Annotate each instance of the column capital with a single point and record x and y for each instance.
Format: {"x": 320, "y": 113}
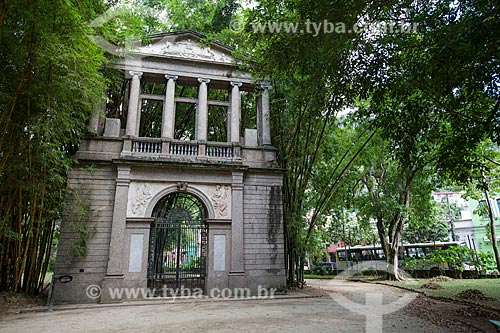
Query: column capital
{"x": 134, "y": 73}
{"x": 266, "y": 86}
{"x": 237, "y": 178}
{"x": 236, "y": 84}
{"x": 171, "y": 77}
{"x": 123, "y": 172}
{"x": 203, "y": 80}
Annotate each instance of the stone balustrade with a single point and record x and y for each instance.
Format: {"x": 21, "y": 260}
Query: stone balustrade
{"x": 159, "y": 147}
{"x": 146, "y": 145}
{"x": 183, "y": 148}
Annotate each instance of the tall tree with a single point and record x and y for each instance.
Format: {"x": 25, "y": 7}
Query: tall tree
{"x": 311, "y": 86}
{"x": 389, "y": 192}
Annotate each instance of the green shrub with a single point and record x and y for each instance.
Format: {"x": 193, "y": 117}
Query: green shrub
{"x": 453, "y": 259}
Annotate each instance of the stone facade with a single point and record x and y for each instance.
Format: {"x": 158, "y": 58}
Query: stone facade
{"x": 122, "y": 177}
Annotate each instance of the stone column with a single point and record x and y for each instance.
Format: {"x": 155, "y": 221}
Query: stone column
{"x": 168, "y": 117}
{"x": 237, "y": 272}
{"x": 202, "y": 116}
{"x": 133, "y": 116}
{"x": 235, "y": 112}
{"x": 265, "y": 116}
{"x": 114, "y": 273}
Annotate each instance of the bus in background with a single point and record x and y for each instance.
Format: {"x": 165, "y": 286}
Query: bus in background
{"x": 347, "y": 257}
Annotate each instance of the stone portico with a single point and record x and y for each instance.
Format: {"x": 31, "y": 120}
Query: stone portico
{"x": 180, "y": 180}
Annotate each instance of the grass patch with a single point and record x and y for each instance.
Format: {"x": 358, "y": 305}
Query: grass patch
{"x": 335, "y": 276}
{"x": 317, "y": 276}
{"x": 489, "y": 287}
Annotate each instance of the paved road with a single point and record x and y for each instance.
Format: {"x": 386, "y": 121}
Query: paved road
{"x": 323, "y": 314}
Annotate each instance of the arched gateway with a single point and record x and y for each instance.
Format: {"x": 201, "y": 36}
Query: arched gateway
{"x": 178, "y": 244}
{"x": 179, "y": 178}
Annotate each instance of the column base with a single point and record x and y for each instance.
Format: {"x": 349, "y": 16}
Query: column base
{"x": 127, "y": 146}
{"x": 112, "y": 283}
{"x": 237, "y": 280}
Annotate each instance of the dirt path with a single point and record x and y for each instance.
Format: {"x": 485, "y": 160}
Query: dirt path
{"x": 317, "y": 314}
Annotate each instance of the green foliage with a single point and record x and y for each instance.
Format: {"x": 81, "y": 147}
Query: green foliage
{"x": 412, "y": 263}
{"x": 433, "y": 93}
{"x": 145, "y": 17}
{"x": 431, "y": 97}
{"x": 487, "y": 262}
{"x": 449, "y": 67}
{"x": 428, "y": 222}
{"x": 337, "y": 220}
{"x": 123, "y": 24}
{"x": 204, "y": 16}
{"x": 481, "y": 178}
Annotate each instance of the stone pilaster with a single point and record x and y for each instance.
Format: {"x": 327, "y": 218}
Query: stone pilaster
{"x": 168, "y": 117}
{"x": 235, "y": 113}
{"x": 133, "y": 116}
{"x": 265, "y": 116}
{"x": 115, "y": 273}
{"x": 237, "y": 277}
{"x": 202, "y": 116}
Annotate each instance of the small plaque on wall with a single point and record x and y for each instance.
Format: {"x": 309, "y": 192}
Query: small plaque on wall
{"x": 136, "y": 247}
{"x": 219, "y": 252}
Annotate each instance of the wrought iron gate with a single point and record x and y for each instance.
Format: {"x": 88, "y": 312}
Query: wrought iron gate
{"x": 177, "y": 252}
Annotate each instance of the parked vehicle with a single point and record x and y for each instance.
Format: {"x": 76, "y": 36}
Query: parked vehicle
{"x": 347, "y": 257}
{"x": 324, "y": 266}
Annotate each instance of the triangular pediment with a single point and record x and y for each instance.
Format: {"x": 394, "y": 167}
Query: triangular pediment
{"x": 185, "y": 45}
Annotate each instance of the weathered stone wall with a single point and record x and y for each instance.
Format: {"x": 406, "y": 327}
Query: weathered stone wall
{"x": 93, "y": 186}
{"x": 263, "y": 230}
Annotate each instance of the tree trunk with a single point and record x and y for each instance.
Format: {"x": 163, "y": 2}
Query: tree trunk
{"x": 492, "y": 227}
{"x": 390, "y": 251}
{"x": 392, "y": 263}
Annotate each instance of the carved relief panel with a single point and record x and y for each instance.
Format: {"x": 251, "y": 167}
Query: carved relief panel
{"x": 141, "y": 194}
{"x": 220, "y": 197}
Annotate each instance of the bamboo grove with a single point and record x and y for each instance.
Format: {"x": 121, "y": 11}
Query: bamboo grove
{"x": 49, "y": 83}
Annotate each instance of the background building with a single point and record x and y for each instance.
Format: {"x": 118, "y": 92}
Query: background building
{"x": 469, "y": 224}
